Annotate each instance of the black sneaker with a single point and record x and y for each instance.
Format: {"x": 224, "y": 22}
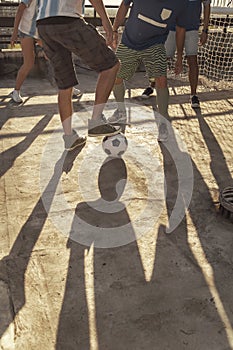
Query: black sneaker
{"x": 73, "y": 141}
{"x": 100, "y": 127}
{"x": 147, "y": 92}
{"x": 195, "y": 103}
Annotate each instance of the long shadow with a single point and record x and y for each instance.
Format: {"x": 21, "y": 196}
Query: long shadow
{"x": 101, "y": 223}
{"x": 8, "y": 157}
{"x": 10, "y": 110}
{"x": 14, "y": 265}
{"x": 199, "y": 301}
{"x": 218, "y": 163}
{"x": 221, "y": 251}
{"x": 174, "y": 310}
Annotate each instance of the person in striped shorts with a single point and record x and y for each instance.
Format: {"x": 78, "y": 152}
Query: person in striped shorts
{"x": 144, "y": 35}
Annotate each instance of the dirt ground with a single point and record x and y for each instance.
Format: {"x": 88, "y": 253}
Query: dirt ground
{"x": 115, "y": 254}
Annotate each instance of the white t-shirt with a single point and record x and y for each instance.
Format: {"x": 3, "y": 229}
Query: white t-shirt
{"x": 27, "y": 24}
{"x": 53, "y": 8}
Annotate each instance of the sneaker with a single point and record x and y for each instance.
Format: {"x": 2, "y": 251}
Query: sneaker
{"x": 195, "y": 102}
{"x": 15, "y": 95}
{"x": 76, "y": 93}
{"x": 73, "y": 141}
{"x": 117, "y": 117}
{"x": 147, "y": 92}
{"x": 101, "y": 127}
{"x": 163, "y": 132}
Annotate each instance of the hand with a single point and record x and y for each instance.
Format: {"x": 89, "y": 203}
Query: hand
{"x": 108, "y": 32}
{"x": 115, "y": 41}
{"x": 203, "y": 38}
{"x": 178, "y": 65}
{"x": 14, "y": 39}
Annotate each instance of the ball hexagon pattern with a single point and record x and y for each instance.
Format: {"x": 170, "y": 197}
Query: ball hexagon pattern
{"x": 115, "y": 145}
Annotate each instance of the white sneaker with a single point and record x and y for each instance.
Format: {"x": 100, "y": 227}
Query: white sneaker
{"x": 163, "y": 133}
{"x": 73, "y": 141}
{"x": 77, "y": 93}
{"x": 118, "y": 117}
{"x": 15, "y": 95}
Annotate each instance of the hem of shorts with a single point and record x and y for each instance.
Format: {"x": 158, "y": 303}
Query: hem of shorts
{"x": 68, "y": 86}
{"x": 106, "y": 68}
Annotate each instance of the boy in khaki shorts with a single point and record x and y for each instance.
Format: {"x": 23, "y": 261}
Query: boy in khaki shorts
{"x": 63, "y": 32}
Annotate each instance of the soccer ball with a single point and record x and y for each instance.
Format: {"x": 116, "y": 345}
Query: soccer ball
{"x": 115, "y": 145}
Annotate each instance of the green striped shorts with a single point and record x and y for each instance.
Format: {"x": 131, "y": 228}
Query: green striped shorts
{"x": 154, "y": 59}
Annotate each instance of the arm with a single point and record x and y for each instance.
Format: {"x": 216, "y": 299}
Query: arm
{"x": 100, "y": 9}
{"x": 180, "y": 37}
{"x": 119, "y": 20}
{"x": 120, "y": 16}
{"x": 206, "y": 20}
{"x": 17, "y": 20}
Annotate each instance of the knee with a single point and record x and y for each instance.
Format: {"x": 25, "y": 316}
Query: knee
{"x": 28, "y": 64}
{"x": 31, "y": 65}
{"x": 192, "y": 60}
{"x": 116, "y": 67}
{"x": 118, "y": 81}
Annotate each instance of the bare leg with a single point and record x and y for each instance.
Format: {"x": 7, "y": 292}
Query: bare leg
{"x": 162, "y": 95}
{"x": 27, "y": 45}
{"x": 66, "y": 109}
{"x": 119, "y": 94}
{"x": 104, "y": 87}
{"x": 193, "y": 73}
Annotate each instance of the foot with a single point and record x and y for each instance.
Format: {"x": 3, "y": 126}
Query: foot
{"x": 73, "y": 141}
{"x": 195, "y": 103}
{"x": 118, "y": 117}
{"x": 147, "y": 92}
{"x": 77, "y": 93}
{"x": 15, "y": 95}
{"x": 100, "y": 127}
{"x": 163, "y": 132}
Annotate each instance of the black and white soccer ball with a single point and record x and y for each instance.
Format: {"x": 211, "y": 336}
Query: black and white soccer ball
{"x": 115, "y": 145}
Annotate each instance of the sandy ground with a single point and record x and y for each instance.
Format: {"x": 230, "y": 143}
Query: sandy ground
{"x": 123, "y": 254}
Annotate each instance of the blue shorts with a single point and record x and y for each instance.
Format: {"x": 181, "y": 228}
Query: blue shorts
{"x": 190, "y": 44}
{"x": 22, "y": 35}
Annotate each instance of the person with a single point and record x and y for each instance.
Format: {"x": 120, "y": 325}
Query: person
{"x": 64, "y": 32}
{"x": 143, "y": 39}
{"x": 25, "y": 29}
{"x": 191, "y": 45}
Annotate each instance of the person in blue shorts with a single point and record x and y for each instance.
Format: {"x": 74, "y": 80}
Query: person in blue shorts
{"x": 144, "y": 35}
{"x": 192, "y": 40}
{"x": 25, "y": 30}
{"x": 64, "y": 32}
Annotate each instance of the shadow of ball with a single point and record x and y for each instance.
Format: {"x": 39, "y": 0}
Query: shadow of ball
{"x": 115, "y": 145}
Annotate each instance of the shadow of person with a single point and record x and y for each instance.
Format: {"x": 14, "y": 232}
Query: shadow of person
{"x": 174, "y": 309}
{"x": 13, "y": 266}
{"x": 218, "y": 164}
{"x": 103, "y": 223}
{"x": 8, "y": 157}
{"x": 195, "y": 245}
